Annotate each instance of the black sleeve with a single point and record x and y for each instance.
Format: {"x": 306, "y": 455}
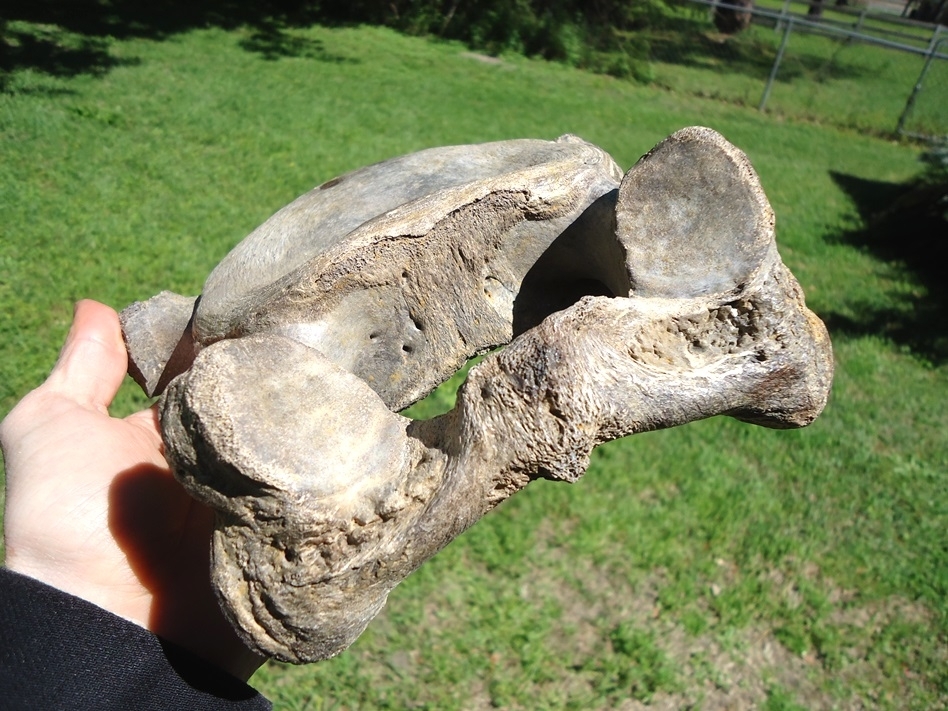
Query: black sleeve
{"x": 58, "y": 651}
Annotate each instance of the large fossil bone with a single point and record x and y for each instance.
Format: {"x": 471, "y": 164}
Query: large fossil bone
{"x": 327, "y": 499}
{"x": 398, "y": 272}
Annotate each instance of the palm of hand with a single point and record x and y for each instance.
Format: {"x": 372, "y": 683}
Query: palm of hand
{"x": 93, "y": 509}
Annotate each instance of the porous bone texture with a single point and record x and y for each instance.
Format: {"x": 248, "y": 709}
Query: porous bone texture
{"x": 647, "y": 305}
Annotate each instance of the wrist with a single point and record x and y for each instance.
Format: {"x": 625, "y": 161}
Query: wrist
{"x": 124, "y": 598}
{"x": 59, "y": 650}
{"x": 217, "y": 643}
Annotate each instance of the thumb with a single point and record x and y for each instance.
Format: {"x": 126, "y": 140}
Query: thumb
{"x": 93, "y": 359}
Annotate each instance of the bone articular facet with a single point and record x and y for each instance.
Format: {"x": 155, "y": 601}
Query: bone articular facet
{"x": 626, "y": 308}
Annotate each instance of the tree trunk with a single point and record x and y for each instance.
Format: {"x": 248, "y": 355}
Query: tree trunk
{"x": 731, "y": 20}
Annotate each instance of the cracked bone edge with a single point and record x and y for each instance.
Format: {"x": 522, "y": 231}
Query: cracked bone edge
{"x": 366, "y": 267}
{"x": 313, "y": 535}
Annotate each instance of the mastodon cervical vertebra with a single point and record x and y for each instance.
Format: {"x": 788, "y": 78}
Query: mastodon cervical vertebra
{"x": 628, "y": 304}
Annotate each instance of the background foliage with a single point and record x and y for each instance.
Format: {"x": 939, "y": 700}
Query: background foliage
{"x": 594, "y": 35}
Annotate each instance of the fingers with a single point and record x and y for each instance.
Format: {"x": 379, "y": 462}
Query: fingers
{"x": 146, "y": 421}
{"x": 93, "y": 359}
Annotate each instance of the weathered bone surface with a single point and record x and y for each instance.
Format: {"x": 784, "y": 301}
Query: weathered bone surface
{"x": 657, "y": 304}
{"x": 350, "y": 268}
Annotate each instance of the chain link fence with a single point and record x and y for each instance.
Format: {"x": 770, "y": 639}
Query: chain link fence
{"x": 927, "y": 107}
{"x": 853, "y": 68}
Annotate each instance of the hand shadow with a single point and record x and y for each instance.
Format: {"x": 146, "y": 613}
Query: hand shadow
{"x": 166, "y": 537}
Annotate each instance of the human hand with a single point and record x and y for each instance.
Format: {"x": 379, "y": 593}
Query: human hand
{"x": 93, "y": 509}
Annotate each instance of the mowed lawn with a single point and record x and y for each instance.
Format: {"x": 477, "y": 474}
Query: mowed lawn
{"x": 717, "y": 565}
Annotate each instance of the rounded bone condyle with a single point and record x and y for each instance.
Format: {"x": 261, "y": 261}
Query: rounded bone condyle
{"x": 624, "y": 303}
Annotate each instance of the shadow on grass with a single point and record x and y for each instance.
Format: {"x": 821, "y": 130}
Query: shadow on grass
{"x": 694, "y": 42}
{"x": 55, "y": 52}
{"x": 907, "y": 226}
{"x": 72, "y": 38}
{"x": 272, "y": 41}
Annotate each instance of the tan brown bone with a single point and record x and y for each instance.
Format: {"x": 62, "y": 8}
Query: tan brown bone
{"x": 326, "y": 499}
{"x": 370, "y": 268}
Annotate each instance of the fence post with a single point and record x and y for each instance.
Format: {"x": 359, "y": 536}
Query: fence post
{"x": 935, "y": 34}
{"x": 932, "y": 51}
{"x": 862, "y": 18}
{"x": 776, "y": 66}
{"x": 784, "y": 11}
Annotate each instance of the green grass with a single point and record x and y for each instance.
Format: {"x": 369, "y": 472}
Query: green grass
{"x": 716, "y": 561}
{"x": 820, "y": 79}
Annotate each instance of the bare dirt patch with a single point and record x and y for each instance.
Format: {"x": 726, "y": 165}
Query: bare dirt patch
{"x": 485, "y": 58}
{"x": 738, "y": 668}
{"x": 723, "y": 669}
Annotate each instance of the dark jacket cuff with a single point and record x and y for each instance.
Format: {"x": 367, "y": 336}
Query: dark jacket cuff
{"x": 58, "y": 651}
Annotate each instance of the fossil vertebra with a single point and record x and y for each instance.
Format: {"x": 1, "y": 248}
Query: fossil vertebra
{"x": 626, "y": 307}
